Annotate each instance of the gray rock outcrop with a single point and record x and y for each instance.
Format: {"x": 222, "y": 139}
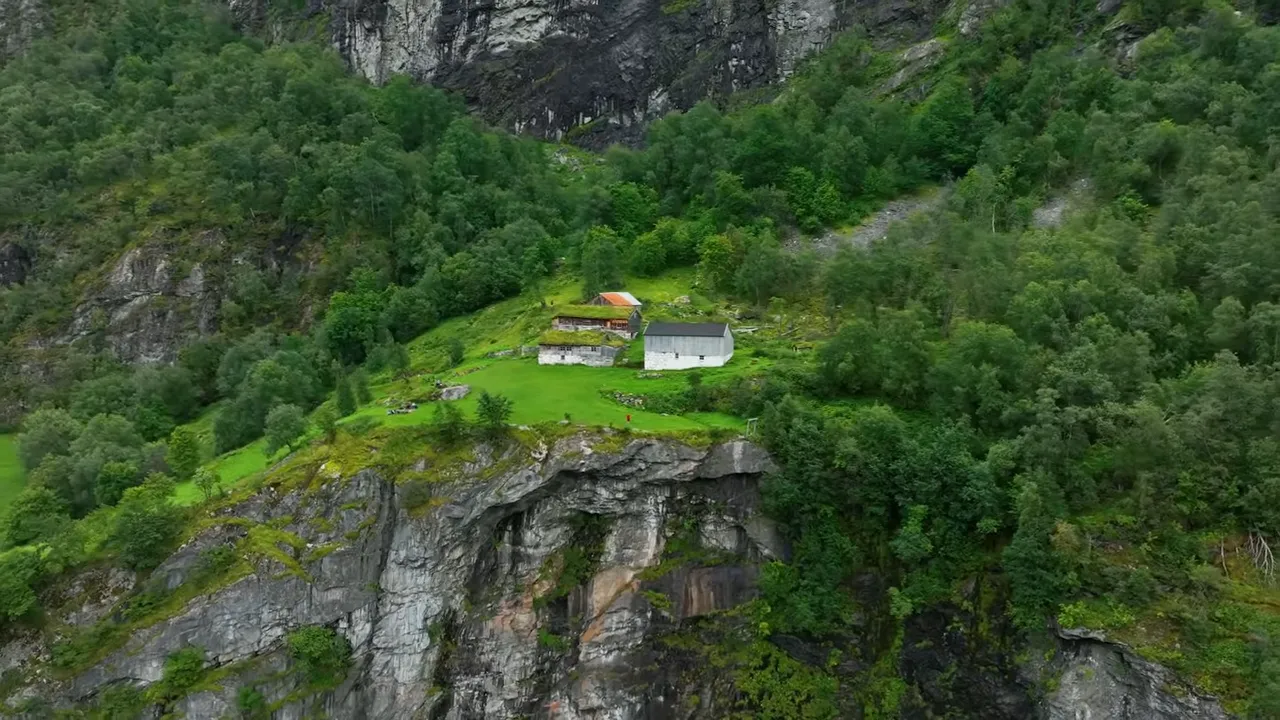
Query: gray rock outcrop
{"x": 602, "y": 70}
{"x": 21, "y": 21}
{"x": 146, "y": 307}
{"x": 544, "y": 582}
{"x": 1100, "y": 679}
{"x": 15, "y": 262}
{"x": 449, "y": 605}
{"x": 455, "y": 392}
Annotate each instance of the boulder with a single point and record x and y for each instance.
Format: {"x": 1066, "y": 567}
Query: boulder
{"x": 455, "y": 392}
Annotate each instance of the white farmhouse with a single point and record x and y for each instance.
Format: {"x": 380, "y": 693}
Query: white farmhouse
{"x": 677, "y": 346}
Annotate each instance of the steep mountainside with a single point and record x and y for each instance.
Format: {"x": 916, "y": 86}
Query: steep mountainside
{"x": 604, "y": 68}
{"x": 585, "y": 579}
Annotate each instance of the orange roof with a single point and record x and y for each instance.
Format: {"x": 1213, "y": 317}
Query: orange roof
{"x": 619, "y": 298}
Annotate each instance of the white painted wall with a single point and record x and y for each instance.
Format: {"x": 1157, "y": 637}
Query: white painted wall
{"x": 585, "y": 355}
{"x": 657, "y": 360}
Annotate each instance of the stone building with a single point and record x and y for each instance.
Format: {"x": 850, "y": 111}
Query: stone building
{"x": 585, "y": 347}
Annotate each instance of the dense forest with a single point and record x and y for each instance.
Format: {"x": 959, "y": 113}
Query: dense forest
{"x": 992, "y": 395}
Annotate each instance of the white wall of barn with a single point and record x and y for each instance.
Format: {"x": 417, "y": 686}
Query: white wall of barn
{"x": 670, "y": 352}
{"x": 681, "y": 361}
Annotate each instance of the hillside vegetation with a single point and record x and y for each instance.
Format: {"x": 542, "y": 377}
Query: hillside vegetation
{"x": 1088, "y": 411}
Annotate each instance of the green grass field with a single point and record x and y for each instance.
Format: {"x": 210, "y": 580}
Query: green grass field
{"x": 231, "y": 469}
{"x": 12, "y": 475}
{"x": 545, "y": 393}
{"x": 539, "y": 394}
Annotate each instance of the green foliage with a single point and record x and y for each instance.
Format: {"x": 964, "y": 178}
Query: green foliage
{"x": 20, "y": 570}
{"x": 146, "y": 524}
{"x": 345, "y": 398}
{"x": 285, "y": 426}
{"x": 601, "y": 262}
{"x": 252, "y": 704}
{"x": 46, "y": 432}
{"x": 360, "y": 385}
{"x": 121, "y": 701}
{"x": 184, "y": 453}
{"x": 327, "y": 421}
{"x": 554, "y": 643}
{"x": 207, "y": 482}
{"x": 36, "y": 515}
{"x": 183, "y": 671}
{"x": 989, "y": 390}
{"x": 449, "y": 426}
{"x": 456, "y": 352}
{"x": 113, "y": 479}
{"x": 493, "y": 413}
{"x": 321, "y": 655}
{"x": 779, "y": 687}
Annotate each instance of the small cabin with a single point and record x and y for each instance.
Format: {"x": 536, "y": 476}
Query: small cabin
{"x": 623, "y": 321}
{"x": 679, "y": 346}
{"x": 584, "y": 347}
{"x": 617, "y": 299}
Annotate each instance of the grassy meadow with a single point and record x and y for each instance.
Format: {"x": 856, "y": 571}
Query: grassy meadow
{"x": 12, "y": 475}
{"x": 492, "y": 339}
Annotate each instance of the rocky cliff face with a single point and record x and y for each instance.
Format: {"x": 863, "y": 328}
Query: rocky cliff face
{"x": 147, "y": 306}
{"x": 539, "y": 583}
{"x": 602, "y": 68}
{"x": 460, "y": 607}
{"x": 21, "y": 21}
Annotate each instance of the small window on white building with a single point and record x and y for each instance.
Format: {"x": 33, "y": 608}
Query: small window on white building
{"x": 561, "y": 357}
{"x": 677, "y": 356}
{"x": 702, "y": 357}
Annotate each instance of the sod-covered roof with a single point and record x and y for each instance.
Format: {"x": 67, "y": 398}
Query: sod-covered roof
{"x": 581, "y": 337}
{"x": 596, "y": 312}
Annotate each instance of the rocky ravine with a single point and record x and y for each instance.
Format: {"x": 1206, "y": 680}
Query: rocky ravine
{"x": 458, "y": 608}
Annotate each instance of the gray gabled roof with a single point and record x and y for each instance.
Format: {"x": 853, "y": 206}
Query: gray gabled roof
{"x": 686, "y": 329}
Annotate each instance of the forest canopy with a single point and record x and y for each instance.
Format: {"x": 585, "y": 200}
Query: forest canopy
{"x": 995, "y": 394}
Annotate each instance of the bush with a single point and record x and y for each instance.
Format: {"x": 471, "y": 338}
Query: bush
{"x": 113, "y": 479}
{"x": 493, "y": 412}
{"x": 183, "y": 670}
{"x": 448, "y": 425}
{"x": 36, "y": 515}
{"x": 183, "y": 453}
{"x": 146, "y": 524}
{"x": 415, "y": 494}
{"x": 252, "y": 703}
{"x": 20, "y": 569}
{"x": 322, "y": 656}
{"x": 285, "y": 425}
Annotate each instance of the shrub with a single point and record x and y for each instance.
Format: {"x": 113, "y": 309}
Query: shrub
{"x": 20, "y": 569}
{"x": 146, "y": 524}
{"x": 252, "y": 703}
{"x": 416, "y": 493}
{"x": 183, "y": 670}
{"x": 493, "y": 412}
{"x": 322, "y": 656}
{"x": 285, "y": 425}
